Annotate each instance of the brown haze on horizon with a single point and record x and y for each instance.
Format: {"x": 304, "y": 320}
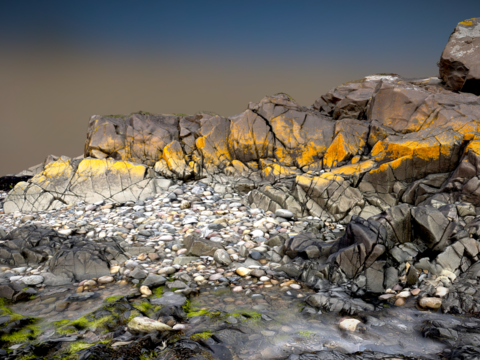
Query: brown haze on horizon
{"x": 46, "y": 101}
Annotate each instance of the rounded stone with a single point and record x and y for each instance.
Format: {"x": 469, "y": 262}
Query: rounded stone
{"x": 32, "y": 280}
{"x": 441, "y": 291}
{"x": 400, "y": 301}
{"x": 284, "y": 213}
{"x": 105, "y": 280}
{"x": 242, "y": 271}
{"x": 222, "y": 257}
{"x": 145, "y": 290}
{"x": 430, "y": 303}
{"x": 90, "y": 283}
{"x": 257, "y": 233}
{"x": 349, "y": 324}
{"x": 142, "y": 324}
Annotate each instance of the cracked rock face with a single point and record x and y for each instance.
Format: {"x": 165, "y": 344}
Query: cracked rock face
{"x": 68, "y": 181}
{"x": 460, "y": 60}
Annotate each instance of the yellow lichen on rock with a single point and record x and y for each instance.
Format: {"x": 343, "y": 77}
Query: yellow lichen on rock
{"x": 466, "y": 22}
{"x": 354, "y": 169}
{"x": 174, "y": 156}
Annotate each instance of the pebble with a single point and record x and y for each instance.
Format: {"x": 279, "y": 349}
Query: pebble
{"x": 105, "y": 280}
{"x": 400, "y": 301}
{"x": 242, "y": 271}
{"x": 430, "y": 302}
{"x": 284, "y": 213}
{"x": 32, "y": 279}
{"x": 415, "y": 292}
{"x": 404, "y": 294}
{"x": 349, "y": 324}
{"x": 440, "y": 291}
{"x": 145, "y": 290}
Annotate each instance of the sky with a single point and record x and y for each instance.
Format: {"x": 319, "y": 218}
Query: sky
{"x": 63, "y": 61}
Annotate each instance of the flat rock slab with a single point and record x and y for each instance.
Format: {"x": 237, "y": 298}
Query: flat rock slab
{"x": 170, "y": 298}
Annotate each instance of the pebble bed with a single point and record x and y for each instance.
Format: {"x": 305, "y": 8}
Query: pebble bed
{"x": 154, "y": 230}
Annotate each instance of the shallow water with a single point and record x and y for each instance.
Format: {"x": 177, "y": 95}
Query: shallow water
{"x": 286, "y": 330}
{"x": 269, "y": 323}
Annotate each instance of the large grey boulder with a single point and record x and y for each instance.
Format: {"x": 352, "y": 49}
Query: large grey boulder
{"x": 79, "y": 259}
{"x": 460, "y": 60}
{"x": 431, "y": 227}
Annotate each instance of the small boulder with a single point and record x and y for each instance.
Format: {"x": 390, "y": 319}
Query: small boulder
{"x": 145, "y": 290}
{"x": 105, "y": 280}
{"x": 222, "y": 257}
{"x": 284, "y": 213}
{"x": 142, "y": 324}
{"x": 153, "y": 280}
{"x": 349, "y": 324}
{"x": 32, "y": 280}
{"x": 459, "y": 64}
{"x": 242, "y": 271}
{"x": 430, "y": 303}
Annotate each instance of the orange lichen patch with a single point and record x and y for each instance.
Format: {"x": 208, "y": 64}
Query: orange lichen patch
{"x": 284, "y": 156}
{"x": 356, "y": 159}
{"x": 200, "y": 142}
{"x": 473, "y": 146}
{"x": 213, "y": 144}
{"x": 357, "y": 168}
{"x": 340, "y": 150}
{"x": 55, "y": 173}
{"x": 468, "y": 22}
{"x": 309, "y": 154}
{"x": 250, "y": 137}
{"x": 95, "y": 167}
{"x": 288, "y": 131}
{"x": 319, "y": 184}
{"x": 387, "y": 150}
{"x": 351, "y": 137}
{"x": 174, "y": 156}
{"x": 105, "y": 138}
{"x": 301, "y": 139}
{"x": 277, "y": 171}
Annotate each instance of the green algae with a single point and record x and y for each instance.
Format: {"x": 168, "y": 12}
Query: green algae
{"x": 143, "y": 307}
{"x": 201, "y": 335}
{"x": 28, "y": 332}
{"x": 65, "y": 327}
{"x": 134, "y": 313}
{"x": 203, "y": 312}
{"x": 306, "y": 333}
{"x": 112, "y": 299}
{"x": 82, "y": 345}
{"x": 157, "y": 292}
{"x": 249, "y": 314}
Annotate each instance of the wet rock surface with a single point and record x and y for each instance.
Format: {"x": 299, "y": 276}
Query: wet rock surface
{"x": 344, "y": 230}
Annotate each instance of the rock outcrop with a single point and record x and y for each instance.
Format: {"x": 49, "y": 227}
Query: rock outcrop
{"x": 460, "y": 63}
{"x": 69, "y": 181}
{"x": 397, "y": 160}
